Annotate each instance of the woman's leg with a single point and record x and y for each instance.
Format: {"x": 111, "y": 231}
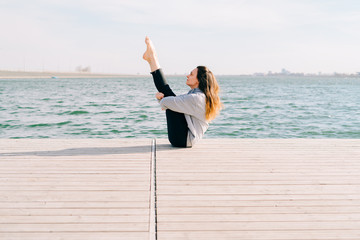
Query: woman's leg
{"x": 161, "y": 84}
{"x": 176, "y": 122}
{"x": 177, "y": 128}
{"x": 159, "y": 79}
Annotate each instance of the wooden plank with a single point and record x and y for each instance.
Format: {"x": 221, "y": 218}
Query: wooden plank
{"x": 74, "y": 227}
{"x": 74, "y": 211}
{"x": 53, "y": 187}
{"x": 74, "y": 219}
{"x": 130, "y": 177}
{"x": 258, "y": 209}
{"x": 263, "y": 235}
{"x": 62, "y": 171}
{"x": 116, "y": 235}
{"x": 338, "y": 177}
{"x": 259, "y": 203}
{"x": 259, "y": 217}
{"x": 261, "y": 189}
{"x": 257, "y": 197}
{"x": 73, "y": 204}
{"x": 74, "y": 196}
{"x": 75, "y": 164}
{"x": 259, "y": 226}
{"x": 46, "y": 182}
{"x": 200, "y": 182}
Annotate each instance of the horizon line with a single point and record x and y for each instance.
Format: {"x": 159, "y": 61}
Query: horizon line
{"x": 269, "y": 73}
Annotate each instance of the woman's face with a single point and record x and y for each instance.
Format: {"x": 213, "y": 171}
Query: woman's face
{"x": 192, "y": 80}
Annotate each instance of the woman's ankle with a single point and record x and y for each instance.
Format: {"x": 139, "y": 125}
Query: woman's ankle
{"x": 154, "y": 65}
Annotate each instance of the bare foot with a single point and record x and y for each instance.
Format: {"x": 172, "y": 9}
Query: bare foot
{"x": 149, "y": 54}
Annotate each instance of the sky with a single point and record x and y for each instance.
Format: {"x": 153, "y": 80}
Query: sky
{"x": 228, "y": 36}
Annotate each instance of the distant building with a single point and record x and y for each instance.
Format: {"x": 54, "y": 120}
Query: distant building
{"x": 285, "y": 72}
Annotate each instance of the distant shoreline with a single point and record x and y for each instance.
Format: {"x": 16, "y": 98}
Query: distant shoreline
{"x": 32, "y": 74}
{"x": 29, "y": 74}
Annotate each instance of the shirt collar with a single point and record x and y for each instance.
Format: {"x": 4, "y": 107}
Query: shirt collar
{"x": 195, "y": 90}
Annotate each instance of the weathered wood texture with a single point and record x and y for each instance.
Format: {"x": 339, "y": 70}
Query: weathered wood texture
{"x": 259, "y": 189}
{"x": 74, "y": 189}
{"x": 220, "y": 189}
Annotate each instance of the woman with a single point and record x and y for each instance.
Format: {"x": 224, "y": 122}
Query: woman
{"x": 187, "y": 115}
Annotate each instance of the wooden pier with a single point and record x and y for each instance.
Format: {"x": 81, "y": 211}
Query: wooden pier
{"x": 220, "y": 189}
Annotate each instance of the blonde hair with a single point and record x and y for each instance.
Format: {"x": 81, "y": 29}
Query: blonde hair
{"x": 209, "y": 86}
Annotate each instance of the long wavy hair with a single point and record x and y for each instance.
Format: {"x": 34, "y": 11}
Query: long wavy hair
{"x": 209, "y": 86}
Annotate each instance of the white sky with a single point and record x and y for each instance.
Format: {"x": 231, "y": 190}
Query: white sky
{"x": 229, "y": 36}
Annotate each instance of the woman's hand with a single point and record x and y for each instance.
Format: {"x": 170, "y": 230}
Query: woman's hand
{"x": 159, "y": 96}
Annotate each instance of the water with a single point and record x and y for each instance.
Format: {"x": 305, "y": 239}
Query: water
{"x": 255, "y": 107}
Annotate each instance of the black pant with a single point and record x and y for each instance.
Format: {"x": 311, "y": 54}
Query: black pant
{"x": 176, "y": 122}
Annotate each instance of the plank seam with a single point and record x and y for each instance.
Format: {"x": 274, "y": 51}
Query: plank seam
{"x": 153, "y": 195}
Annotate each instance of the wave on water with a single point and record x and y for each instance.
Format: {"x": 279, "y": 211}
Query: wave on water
{"x": 78, "y": 112}
{"x": 49, "y": 124}
{"x": 5, "y": 125}
{"x": 106, "y": 112}
{"x": 20, "y": 107}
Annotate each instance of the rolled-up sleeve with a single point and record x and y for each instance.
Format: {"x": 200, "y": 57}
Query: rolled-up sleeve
{"x": 183, "y": 103}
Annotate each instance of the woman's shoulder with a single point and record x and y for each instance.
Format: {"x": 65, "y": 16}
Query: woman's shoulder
{"x": 198, "y": 95}
{"x": 196, "y": 92}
